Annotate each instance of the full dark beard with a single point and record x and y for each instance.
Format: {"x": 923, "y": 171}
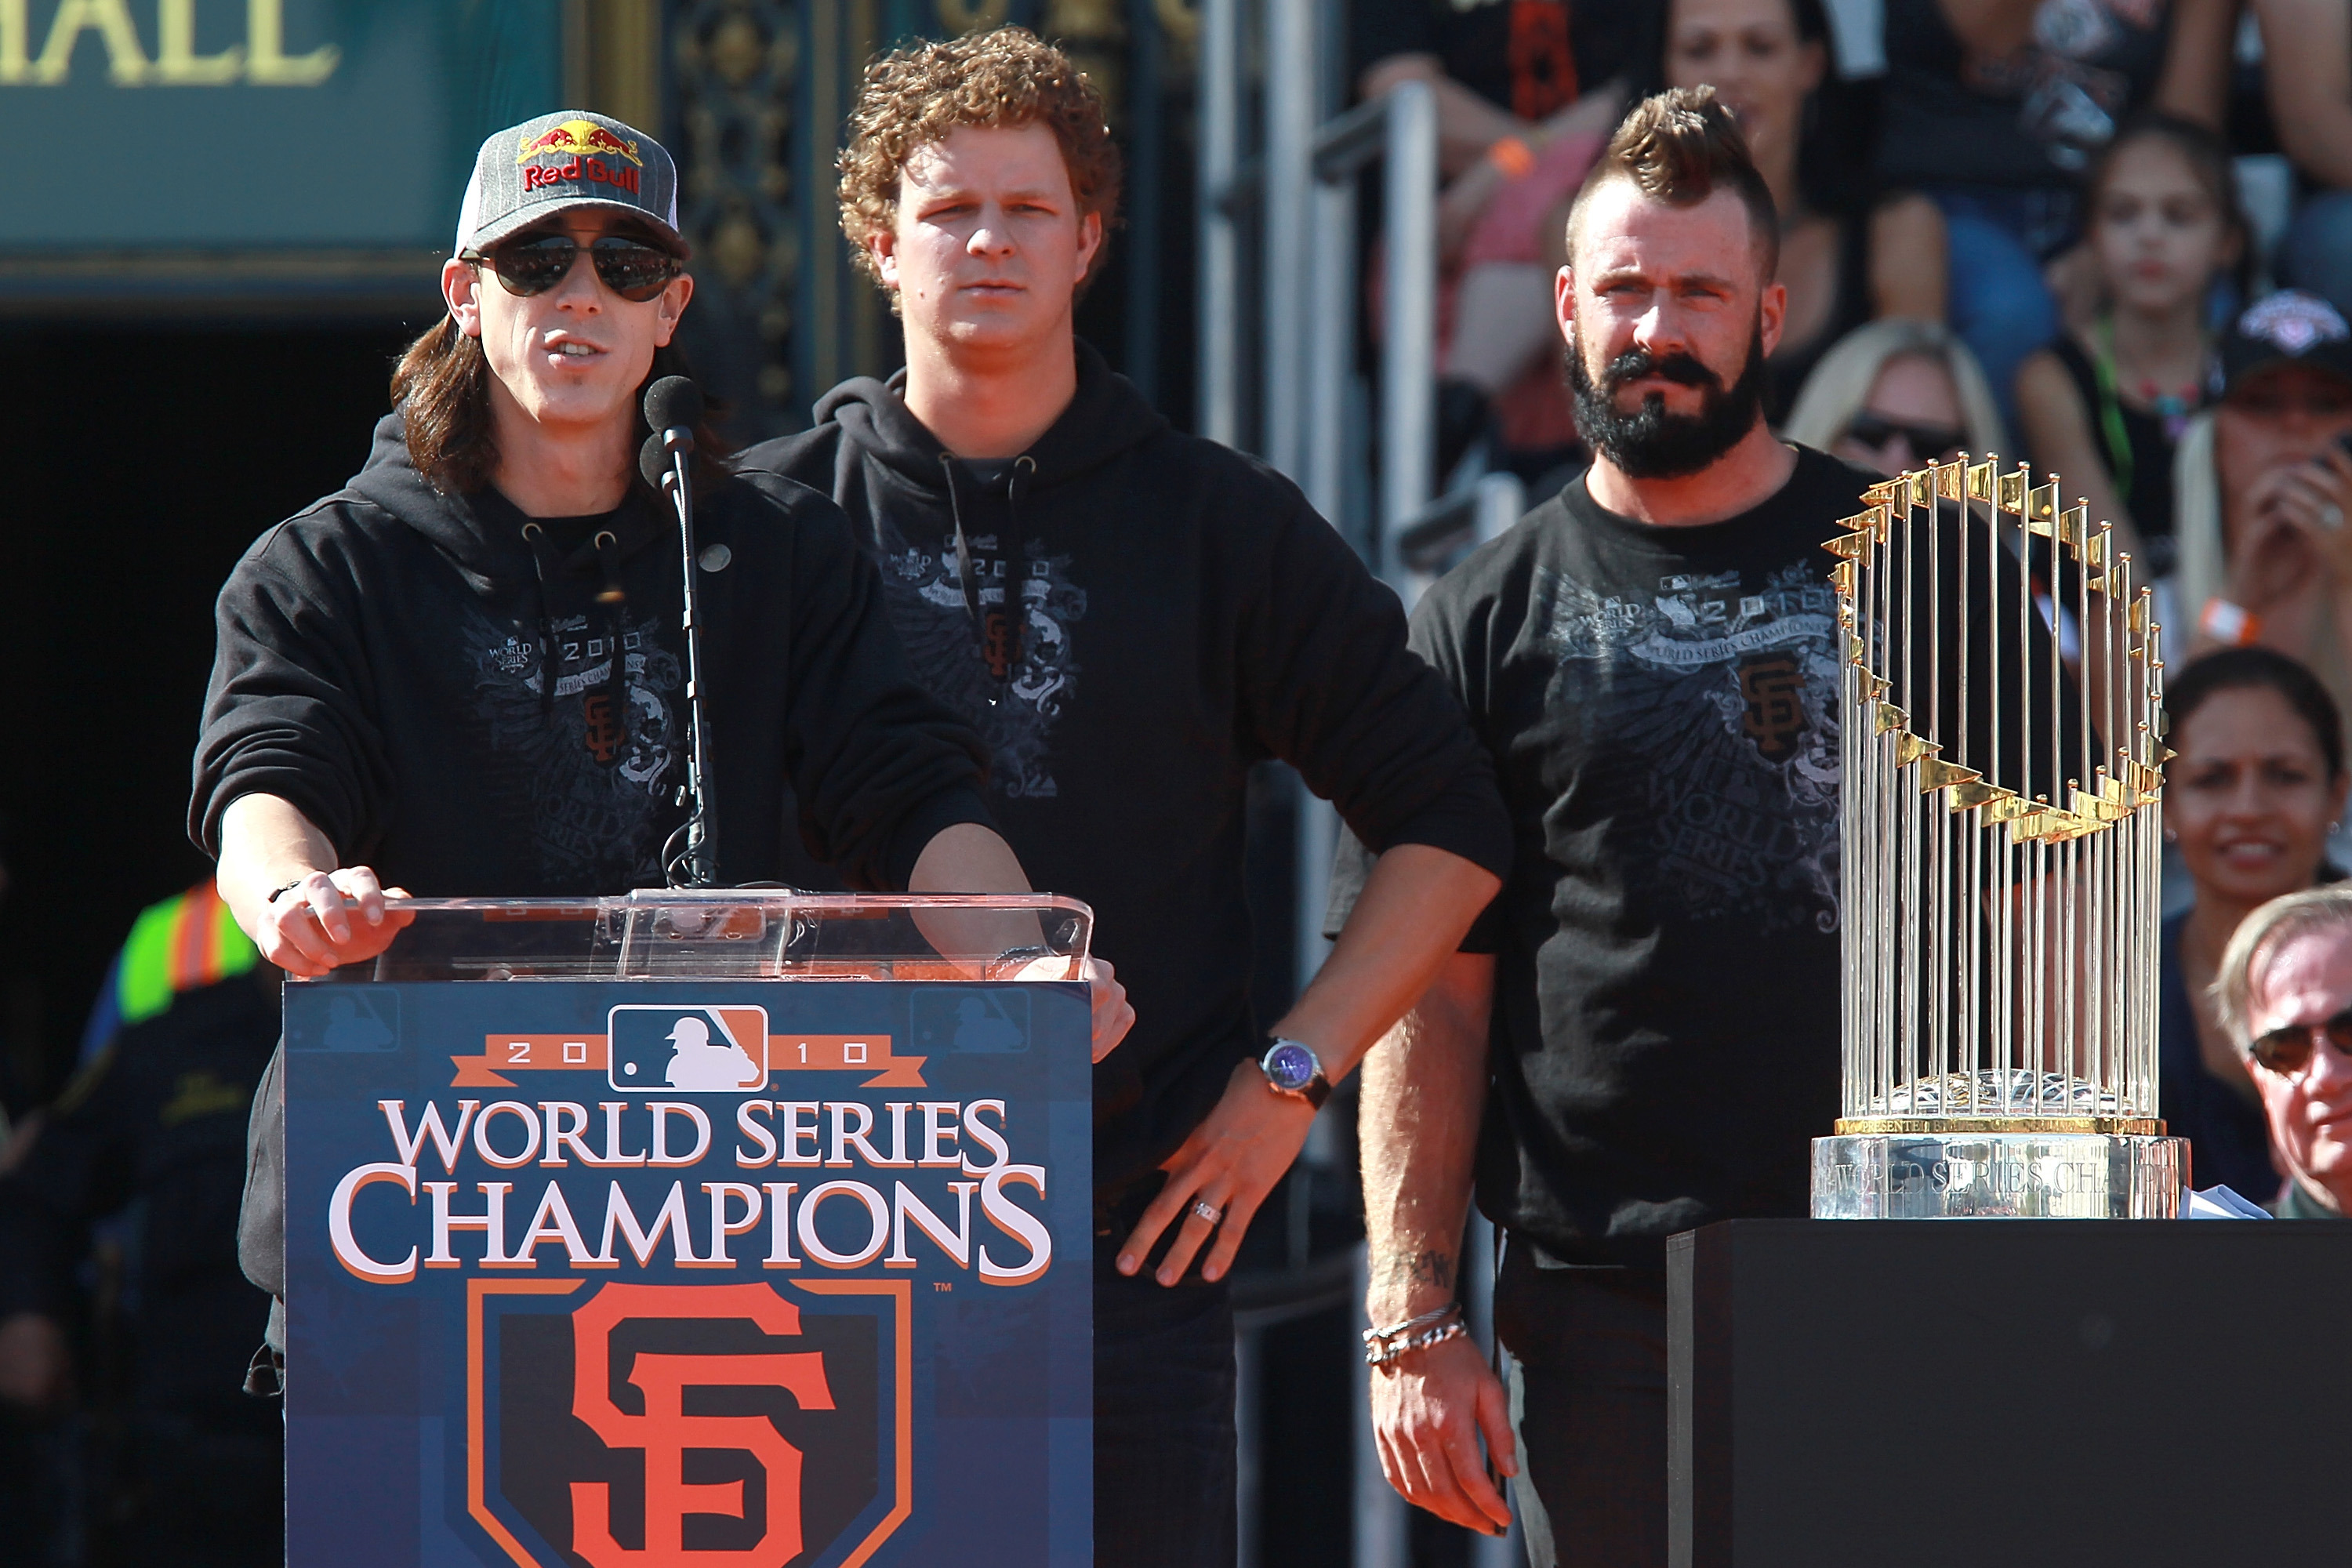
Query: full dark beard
{"x": 1650, "y": 443}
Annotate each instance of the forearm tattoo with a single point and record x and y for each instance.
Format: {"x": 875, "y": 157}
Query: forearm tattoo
{"x": 1429, "y": 1268}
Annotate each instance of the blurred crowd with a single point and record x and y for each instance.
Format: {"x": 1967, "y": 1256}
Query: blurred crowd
{"x": 2110, "y": 237}
{"x": 2113, "y": 237}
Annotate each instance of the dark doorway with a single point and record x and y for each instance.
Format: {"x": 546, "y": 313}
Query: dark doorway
{"x": 142, "y": 461}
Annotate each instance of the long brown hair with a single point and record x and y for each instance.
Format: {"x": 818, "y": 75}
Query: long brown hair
{"x": 442, "y": 387}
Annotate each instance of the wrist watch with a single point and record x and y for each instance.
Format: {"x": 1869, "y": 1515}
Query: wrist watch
{"x": 1293, "y": 1070}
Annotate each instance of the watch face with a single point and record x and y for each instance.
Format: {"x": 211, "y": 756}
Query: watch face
{"x": 1291, "y": 1066}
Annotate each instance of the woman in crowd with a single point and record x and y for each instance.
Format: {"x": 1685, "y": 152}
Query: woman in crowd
{"x": 1847, "y": 257}
{"x": 1526, "y": 95}
{"x": 2104, "y": 405}
{"x": 2263, "y": 484}
{"x": 1994, "y": 107}
{"x": 1894, "y": 395}
{"x": 2255, "y": 785}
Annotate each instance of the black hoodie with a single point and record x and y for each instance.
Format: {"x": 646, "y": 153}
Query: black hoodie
{"x": 1184, "y": 615}
{"x": 385, "y": 663}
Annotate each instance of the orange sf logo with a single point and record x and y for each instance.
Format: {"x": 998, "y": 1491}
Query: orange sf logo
{"x": 664, "y": 1432}
{"x": 1770, "y": 686}
{"x": 598, "y": 733}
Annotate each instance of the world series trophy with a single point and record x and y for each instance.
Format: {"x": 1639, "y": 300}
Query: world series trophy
{"x": 2002, "y": 856}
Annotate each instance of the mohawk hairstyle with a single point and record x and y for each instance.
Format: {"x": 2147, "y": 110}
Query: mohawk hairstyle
{"x": 1007, "y": 77}
{"x": 1677, "y": 147}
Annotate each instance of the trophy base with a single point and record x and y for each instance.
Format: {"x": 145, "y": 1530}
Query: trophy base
{"x": 1969, "y": 1174}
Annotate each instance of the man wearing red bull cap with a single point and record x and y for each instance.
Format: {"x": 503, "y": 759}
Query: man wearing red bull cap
{"x": 463, "y": 673}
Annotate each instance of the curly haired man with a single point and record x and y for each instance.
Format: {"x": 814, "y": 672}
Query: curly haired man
{"x": 1132, "y": 617}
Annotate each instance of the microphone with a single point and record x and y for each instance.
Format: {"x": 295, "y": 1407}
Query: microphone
{"x": 653, "y": 462}
{"x": 673, "y": 407}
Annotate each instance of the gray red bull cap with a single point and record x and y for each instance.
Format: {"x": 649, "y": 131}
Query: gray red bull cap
{"x": 558, "y": 161}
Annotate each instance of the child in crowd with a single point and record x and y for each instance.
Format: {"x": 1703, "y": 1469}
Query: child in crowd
{"x": 2106, "y": 406}
{"x": 1992, "y": 109}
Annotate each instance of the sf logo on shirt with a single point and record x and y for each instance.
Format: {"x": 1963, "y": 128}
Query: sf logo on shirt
{"x": 1770, "y": 686}
{"x": 600, "y": 730}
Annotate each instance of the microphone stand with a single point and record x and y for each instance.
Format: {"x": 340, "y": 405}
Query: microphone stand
{"x": 702, "y": 855}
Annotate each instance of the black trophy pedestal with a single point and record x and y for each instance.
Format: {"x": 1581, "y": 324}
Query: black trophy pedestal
{"x": 2034, "y": 1392}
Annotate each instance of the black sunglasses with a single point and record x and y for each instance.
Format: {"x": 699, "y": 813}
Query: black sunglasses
{"x": 2286, "y": 1050}
{"x": 1926, "y": 440}
{"x": 632, "y": 269}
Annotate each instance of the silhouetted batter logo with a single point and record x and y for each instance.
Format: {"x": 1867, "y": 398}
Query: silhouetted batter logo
{"x": 1771, "y": 686}
{"x": 720, "y": 1427}
{"x": 700, "y": 1049}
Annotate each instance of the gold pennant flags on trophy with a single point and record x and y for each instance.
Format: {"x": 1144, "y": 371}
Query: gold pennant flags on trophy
{"x": 2000, "y": 837}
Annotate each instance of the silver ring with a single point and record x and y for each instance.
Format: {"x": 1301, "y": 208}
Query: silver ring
{"x": 1203, "y": 1209}
{"x": 2331, "y": 516}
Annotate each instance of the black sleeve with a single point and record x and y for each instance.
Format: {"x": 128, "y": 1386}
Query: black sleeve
{"x": 75, "y": 1173}
{"x": 1330, "y": 687}
{"x": 289, "y": 708}
{"x": 1437, "y": 637}
{"x": 878, "y": 765}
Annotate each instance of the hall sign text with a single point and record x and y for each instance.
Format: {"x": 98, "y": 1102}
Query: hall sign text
{"x": 37, "y": 44}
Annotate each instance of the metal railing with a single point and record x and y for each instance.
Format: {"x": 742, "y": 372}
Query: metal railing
{"x": 1304, "y": 190}
{"x": 1298, "y": 318}
{"x": 1399, "y": 132}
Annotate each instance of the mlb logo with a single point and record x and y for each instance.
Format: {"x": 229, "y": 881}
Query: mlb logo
{"x": 705, "y": 1050}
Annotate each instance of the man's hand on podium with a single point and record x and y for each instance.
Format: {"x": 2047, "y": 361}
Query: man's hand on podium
{"x": 327, "y": 919}
{"x": 1113, "y": 1015}
{"x": 966, "y": 857}
{"x": 305, "y": 918}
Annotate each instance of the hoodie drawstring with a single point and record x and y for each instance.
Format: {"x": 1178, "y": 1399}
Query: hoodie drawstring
{"x": 963, "y": 551}
{"x": 1014, "y": 610}
{"x": 612, "y": 617}
{"x": 549, "y": 567}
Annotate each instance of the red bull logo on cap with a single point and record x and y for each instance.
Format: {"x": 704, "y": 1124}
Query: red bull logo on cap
{"x": 578, "y": 137}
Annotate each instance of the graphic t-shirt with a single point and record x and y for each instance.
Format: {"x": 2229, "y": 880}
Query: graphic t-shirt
{"x": 591, "y": 756}
{"x": 2032, "y": 117}
{"x": 1010, "y": 673}
{"x": 1662, "y": 706}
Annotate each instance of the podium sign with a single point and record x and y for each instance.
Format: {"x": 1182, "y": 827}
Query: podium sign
{"x": 787, "y": 1265}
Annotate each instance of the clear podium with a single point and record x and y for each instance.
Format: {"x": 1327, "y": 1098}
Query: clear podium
{"x": 741, "y": 1229}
